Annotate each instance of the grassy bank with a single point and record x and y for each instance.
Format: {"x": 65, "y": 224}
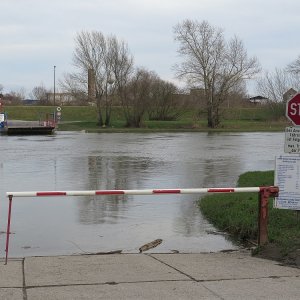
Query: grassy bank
{"x": 238, "y": 213}
{"x": 85, "y": 118}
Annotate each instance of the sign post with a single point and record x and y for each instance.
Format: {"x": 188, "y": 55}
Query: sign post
{"x": 58, "y": 114}
{"x": 287, "y": 169}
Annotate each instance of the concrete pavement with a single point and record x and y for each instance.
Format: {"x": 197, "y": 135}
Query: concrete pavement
{"x": 233, "y": 275}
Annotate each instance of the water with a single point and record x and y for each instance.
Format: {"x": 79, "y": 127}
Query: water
{"x": 80, "y": 161}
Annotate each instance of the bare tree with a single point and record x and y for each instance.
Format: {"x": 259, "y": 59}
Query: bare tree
{"x": 15, "y": 97}
{"x": 110, "y": 60}
{"x": 136, "y": 96}
{"x": 165, "y": 104}
{"x": 76, "y": 85}
{"x": 211, "y": 63}
{"x": 121, "y": 65}
{"x": 274, "y": 84}
{"x": 40, "y": 93}
{"x": 294, "y": 67}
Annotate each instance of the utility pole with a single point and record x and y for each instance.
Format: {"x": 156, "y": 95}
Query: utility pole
{"x": 54, "y": 86}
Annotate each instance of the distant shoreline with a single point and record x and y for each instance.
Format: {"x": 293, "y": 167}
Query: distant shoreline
{"x": 84, "y": 118}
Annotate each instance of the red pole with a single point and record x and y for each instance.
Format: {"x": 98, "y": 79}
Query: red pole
{"x": 264, "y": 195}
{"x": 8, "y": 227}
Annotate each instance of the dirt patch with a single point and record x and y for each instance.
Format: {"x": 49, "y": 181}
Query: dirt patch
{"x": 272, "y": 251}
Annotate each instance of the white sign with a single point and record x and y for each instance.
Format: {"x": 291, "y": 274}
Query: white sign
{"x": 2, "y": 118}
{"x": 292, "y": 140}
{"x": 287, "y": 178}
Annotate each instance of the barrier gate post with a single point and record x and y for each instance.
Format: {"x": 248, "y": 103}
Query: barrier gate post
{"x": 263, "y": 201}
{"x": 8, "y": 227}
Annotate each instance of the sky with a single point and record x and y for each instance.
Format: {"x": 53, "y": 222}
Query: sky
{"x": 36, "y": 35}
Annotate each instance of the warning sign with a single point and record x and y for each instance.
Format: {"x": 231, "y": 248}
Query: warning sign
{"x": 292, "y": 140}
{"x": 287, "y": 178}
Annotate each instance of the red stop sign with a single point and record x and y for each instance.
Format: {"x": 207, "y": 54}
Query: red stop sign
{"x": 293, "y": 109}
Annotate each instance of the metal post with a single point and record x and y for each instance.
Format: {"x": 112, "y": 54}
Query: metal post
{"x": 54, "y": 113}
{"x": 264, "y": 195}
{"x": 8, "y": 228}
{"x": 54, "y": 85}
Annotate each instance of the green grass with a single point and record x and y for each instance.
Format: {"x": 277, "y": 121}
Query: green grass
{"x": 27, "y": 113}
{"x": 85, "y": 118}
{"x": 238, "y": 214}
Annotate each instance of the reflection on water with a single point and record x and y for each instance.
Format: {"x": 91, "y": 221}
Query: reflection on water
{"x": 77, "y": 161}
{"x": 111, "y": 173}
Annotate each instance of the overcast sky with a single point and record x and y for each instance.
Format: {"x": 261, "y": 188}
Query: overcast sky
{"x": 38, "y": 34}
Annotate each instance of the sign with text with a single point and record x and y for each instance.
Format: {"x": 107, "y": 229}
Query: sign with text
{"x": 2, "y": 119}
{"x": 293, "y": 109}
{"x": 292, "y": 140}
{"x": 287, "y": 178}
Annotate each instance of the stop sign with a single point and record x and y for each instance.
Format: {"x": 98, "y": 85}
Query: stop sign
{"x": 293, "y": 109}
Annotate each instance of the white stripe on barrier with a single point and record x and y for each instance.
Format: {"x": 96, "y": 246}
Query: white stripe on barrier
{"x": 133, "y": 192}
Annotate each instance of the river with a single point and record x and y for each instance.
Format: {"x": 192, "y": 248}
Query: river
{"x": 86, "y": 161}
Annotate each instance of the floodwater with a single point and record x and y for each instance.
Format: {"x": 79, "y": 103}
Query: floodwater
{"x": 81, "y": 161}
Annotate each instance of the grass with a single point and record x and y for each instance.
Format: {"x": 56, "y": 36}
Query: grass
{"x": 85, "y": 118}
{"x": 238, "y": 214}
{"x": 27, "y": 113}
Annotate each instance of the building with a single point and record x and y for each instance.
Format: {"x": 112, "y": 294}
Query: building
{"x": 61, "y": 98}
{"x": 258, "y": 100}
{"x": 288, "y": 94}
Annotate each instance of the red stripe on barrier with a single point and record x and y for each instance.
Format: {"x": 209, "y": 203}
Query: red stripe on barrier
{"x": 51, "y": 193}
{"x": 109, "y": 192}
{"x": 220, "y": 190}
{"x": 166, "y": 191}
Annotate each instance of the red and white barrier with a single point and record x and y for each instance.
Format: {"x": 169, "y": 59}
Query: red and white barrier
{"x": 134, "y": 192}
{"x": 265, "y": 193}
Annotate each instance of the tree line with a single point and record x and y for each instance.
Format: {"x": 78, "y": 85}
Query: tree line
{"x": 219, "y": 67}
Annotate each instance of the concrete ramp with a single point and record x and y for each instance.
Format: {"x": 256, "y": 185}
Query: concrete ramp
{"x": 234, "y": 275}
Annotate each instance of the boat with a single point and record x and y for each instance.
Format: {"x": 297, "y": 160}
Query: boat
{"x": 17, "y": 127}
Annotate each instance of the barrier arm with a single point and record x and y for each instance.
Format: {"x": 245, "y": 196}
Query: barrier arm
{"x": 265, "y": 193}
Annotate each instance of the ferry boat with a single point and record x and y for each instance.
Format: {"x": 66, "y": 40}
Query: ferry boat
{"x": 15, "y": 127}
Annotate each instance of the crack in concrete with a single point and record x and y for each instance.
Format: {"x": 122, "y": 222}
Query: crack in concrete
{"x": 189, "y": 276}
{"x": 177, "y": 270}
{"x": 101, "y": 283}
{"x": 24, "y": 284}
